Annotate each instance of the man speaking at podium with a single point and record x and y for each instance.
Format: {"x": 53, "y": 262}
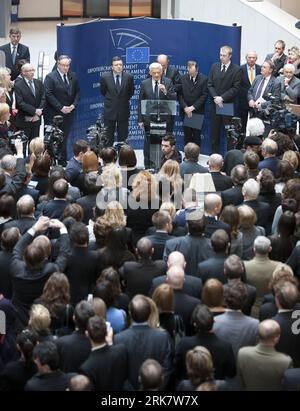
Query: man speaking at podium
{"x": 156, "y": 87}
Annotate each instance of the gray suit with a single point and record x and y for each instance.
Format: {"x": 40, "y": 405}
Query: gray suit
{"x": 261, "y": 368}
{"x": 236, "y": 328}
{"x": 292, "y": 91}
{"x": 272, "y": 89}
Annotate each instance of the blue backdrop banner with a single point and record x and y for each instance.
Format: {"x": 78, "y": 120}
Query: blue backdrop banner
{"x": 138, "y": 41}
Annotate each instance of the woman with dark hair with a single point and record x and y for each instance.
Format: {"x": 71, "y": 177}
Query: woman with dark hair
{"x": 7, "y": 210}
{"x": 267, "y": 193}
{"x": 230, "y": 215}
{"x": 116, "y": 252}
{"x": 112, "y": 275}
{"x": 74, "y": 210}
{"x": 284, "y": 173}
{"x": 127, "y": 163}
{"x": 117, "y": 317}
{"x": 16, "y": 373}
{"x": 283, "y": 242}
{"x": 56, "y": 297}
{"x": 40, "y": 170}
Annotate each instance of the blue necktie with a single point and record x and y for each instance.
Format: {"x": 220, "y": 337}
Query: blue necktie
{"x": 260, "y": 89}
{"x": 14, "y": 54}
{"x": 31, "y": 87}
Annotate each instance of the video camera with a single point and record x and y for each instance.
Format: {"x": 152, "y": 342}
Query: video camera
{"x": 280, "y": 118}
{"x": 234, "y": 133}
{"x": 97, "y": 136}
{"x": 54, "y": 137}
{"x": 13, "y": 136}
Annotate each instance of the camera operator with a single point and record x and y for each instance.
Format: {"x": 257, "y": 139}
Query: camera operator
{"x": 13, "y": 171}
{"x": 62, "y": 97}
{"x": 30, "y": 102}
{"x": 289, "y": 85}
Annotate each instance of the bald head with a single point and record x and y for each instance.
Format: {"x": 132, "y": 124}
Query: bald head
{"x": 175, "y": 277}
{"x": 144, "y": 248}
{"x": 176, "y": 258}
{"x": 269, "y": 332}
{"x": 212, "y": 204}
{"x": 151, "y": 375}
{"x": 25, "y": 205}
{"x": 215, "y": 162}
{"x": 269, "y": 148}
{"x": 80, "y": 383}
{"x": 163, "y": 60}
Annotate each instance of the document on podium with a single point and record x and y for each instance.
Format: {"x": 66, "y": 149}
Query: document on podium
{"x": 196, "y": 121}
{"x": 226, "y": 110}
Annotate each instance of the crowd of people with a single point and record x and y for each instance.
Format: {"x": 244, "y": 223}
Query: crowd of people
{"x": 115, "y": 278}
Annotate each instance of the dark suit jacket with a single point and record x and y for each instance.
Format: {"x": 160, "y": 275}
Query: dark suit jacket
{"x": 26, "y": 102}
{"x": 193, "y": 94}
{"x": 54, "y": 381}
{"x": 289, "y": 342}
{"x": 146, "y": 93}
{"x": 173, "y": 74}
{"x": 55, "y": 209}
{"x": 116, "y": 103}
{"x": 291, "y": 380}
{"x": 138, "y": 275}
{"x": 22, "y": 54}
{"x": 188, "y": 167}
{"x": 192, "y": 285}
{"x": 59, "y": 95}
{"x": 23, "y": 224}
{"x": 30, "y": 191}
{"x": 232, "y": 196}
{"x": 73, "y": 350}
{"x": 184, "y": 306}
{"x": 5, "y": 277}
{"x": 87, "y": 203}
{"x": 107, "y": 368}
{"x": 158, "y": 240}
{"x": 213, "y": 225}
{"x": 221, "y": 181}
{"x": 273, "y": 89}
{"x": 213, "y": 267}
{"x": 226, "y": 86}
{"x": 246, "y": 85}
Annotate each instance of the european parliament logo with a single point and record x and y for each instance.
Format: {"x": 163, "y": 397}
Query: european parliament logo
{"x": 137, "y": 55}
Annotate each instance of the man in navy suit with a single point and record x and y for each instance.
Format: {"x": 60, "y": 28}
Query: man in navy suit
{"x": 224, "y": 83}
{"x": 30, "y": 102}
{"x": 62, "y": 98}
{"x": 249, "y": 71}
{"x": 14, "y": 51}
{"x": 157, "y": 87}
{"x": 117, "y": 87}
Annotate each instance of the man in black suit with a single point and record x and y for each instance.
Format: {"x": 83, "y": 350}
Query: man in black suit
{"x": 278, "y": 58}
{"x": 212, "y": 209}
{"x": 9, "y": 239}
{"x": 14, "y": 51}
{"x": 234, "y": 195}
{"x": 25, "y": 210}
{"x": 192, "y": 99}
{"x": 157, "y": 87}
{"x": 106, "y": 367}
{"x": 169, "y": 71}
{"x": 190, "y": 164}
{"x": 224, "y": 83}
{"x": 30, "y": 102}
{"x": 163, "y": 225}
{"x": 117, "y": 87}
{"x": 249, "y": 71}
{"x": 215, "y": 165}
{"x": 263, "y": 88}
{"x": 62, "y": 98}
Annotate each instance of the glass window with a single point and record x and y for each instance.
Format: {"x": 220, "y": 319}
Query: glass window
{"x": 96, "y": 8}
{"x": 141, "y": 8}
{"x": 72, "y": 8}
{"x": 119, "y": 8}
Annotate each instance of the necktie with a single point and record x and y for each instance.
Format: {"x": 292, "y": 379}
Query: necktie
{"x": 118, "y": 84}
{"x": 260, "y": 89}
{"x": 32, "y": 87}
{"x": 156, "y": 91}
{"x": 251, "y": 75}
{"x": 223, "y": 69}
{"x": 14, "y": 54}
{"x": 66, "y": 80}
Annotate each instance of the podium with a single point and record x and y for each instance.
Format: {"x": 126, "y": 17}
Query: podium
{"x": 157, "y": 116}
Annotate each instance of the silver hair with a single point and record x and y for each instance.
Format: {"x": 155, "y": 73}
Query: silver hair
{"x": 155, "y": 66}
{"x": 262, "y": 245}
{"x": 8, "y": 162}
{"x": 251, "y": 188}
{"x": 256, "y": 127}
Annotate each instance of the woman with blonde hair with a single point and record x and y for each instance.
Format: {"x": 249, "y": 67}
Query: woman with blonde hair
{"x": 294, "y": 58}
{"x": 39, "y": 322}
{"x": 36, "y": 146}
{"x": 112, "y": 189}
{"x": 143, "y": 202}
{"x": 4, "y": 121}
{"x": 7, "y": 84}
{"x": 292, "y": 158}
{"x": 170, "y": 183}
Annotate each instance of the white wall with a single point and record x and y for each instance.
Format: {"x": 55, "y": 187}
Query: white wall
{"x": 290, "y": 6}
{"x": 39, "y": 8}
{"x": 262, "y": 22}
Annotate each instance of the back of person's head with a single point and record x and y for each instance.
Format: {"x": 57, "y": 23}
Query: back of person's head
{"x": 255, "y": 127}
{"x": 144, "y": 248}
{"x": 9, "y": 238}
{"x": 251, "y": 160}
{"x": 104, "y": 290}
{"x": 169, "y": 208}
{"x": 47, "y": 354}
{"x": 196, "y": 223}
{"x": 99, "y": 307}
{"x": 41, "y": 165}
{"x": 89, "y": 162}
{"x": 235, "y": 295}
{"x": 108, "y": 155}
{"x": 39, "y": 319}
{"x": 267, "y": 181}
{"x": 91, "y": 185}
{"x": 140, "y": 309}
{"x": 251, "y": 189}
{"x": 269, "y": 147}
{"x": 175, "y": 277}
{"x": 207, "y": 386}
{"x": 25, "y": 205}
{"x": 286, "y": 294}
{"x": 233, "y": 267}
{"x": 127, "y": 157}
{"x": 83, "y": 311}
{"x": 80, "y": 146}
{"x": 79, "y": 235}
{"x": 213, "y": 293}
{"x": 192, "y": 152}
{"x": 56, "y": 291}
{"x": 202, "y": 319}
{"x": 269, "y": 331}
{"x": 239, "y": 175}
{"x": 292, "y": 157}
{"x": 199, "y": 365}
{"x": 8, "y": 163}
{"x": 74, "y": 210}
{"x": 44, "y": 242}
{"x": 151, "y": 375}
{"x": 7, "y": 206}
{"x": 80, "y": 383}
{"x": 26, "y": 341}
{"x": 215, "y": 162}
{"x": 36, "y": 146}
{"x": 176, "y": 258}
{"x": 163, "y": 297}
{"x": 248, "y": 216}
{"x": 35, "y": 256}
{"x": 220, "y": 241}
{"x": 60, "y": 188}
{"x": 262, "y": 245}
{"x": 230, "y": 215}
{"x": 161, "y": 219}
{"x": 96, "y": 328}
{"x": 111, "y": 274}
{"x": 286, "y": 224}
{"x": 212, "y": 203}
